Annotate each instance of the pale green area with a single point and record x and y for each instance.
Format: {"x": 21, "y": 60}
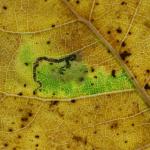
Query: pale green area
{"x": 78, "y": 80}
{"x": 70, "y": 84}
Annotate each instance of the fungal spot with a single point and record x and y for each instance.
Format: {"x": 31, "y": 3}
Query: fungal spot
{"x": 129, "y": 33}
{"x": 26, "y": 64}
{"x": 113, "y": 73}
{"x": 96, "y": 3}
{"x": 147, "y": 86}
{"x": 5, "y": 7}
{"x": 24, "y": 119}
{"x": 48, "y": 42}
{"x": 53, "y": 25}
{"x": 123, "y": 44}
{"x": 95, "y": 77}
{"x": 124, "y": 54}
{"x": 73, "y": 101}
{"x": 10, "y": 130}
{"x": 119, "y": 30}
{"x": 132, "y": 124}
{"x": 25, "y": 85}
{"x": 30, "y": 114}
{"x": 117, "y": 41}
{"x": 20, "y": 93}
{"x": 92, "y": 69}
{"x": 53, "y": 103}
{"x": 37, "y": 136}
{"x": 6, "y": 144}
{"x": 53, "y": 93}
{"x": 108, "y": 32}
{"x": 36, "y": 145}
{"x": 108, "y": 51}
{"x": 77, "y": 1}
{"x": 126, "y": 141}
{"x": 92, "y": 84}
{"x": 123, "y": 3}
{"x": 34, "y": 92}
{"x": 19, "y": 136}
{"x": 81, "y": 79}
{"x": 77, "y": 138}
{"x": 148, "y": 71}
{"x": 114, "y": 125}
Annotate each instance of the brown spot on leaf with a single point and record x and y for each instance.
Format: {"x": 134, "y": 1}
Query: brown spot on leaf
{"x": 5, "y": 7}
{"x": 114, "y": 125}
{"x": 20, "y": 93}
{"x": 113, "y": 73}
{"x": 123, "y": 3}
{"x": 123, "y": 44}
{"x": 73, "y": 101}
{"x": 147, "y": 24}
{"x": 147, "y": 86}
{"x": 119, "y": 30}
{"x": 53, "y": 103}
{"x": 124, "y": 54}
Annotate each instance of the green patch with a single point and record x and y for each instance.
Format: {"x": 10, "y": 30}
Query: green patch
{"x": 56, "y": 80}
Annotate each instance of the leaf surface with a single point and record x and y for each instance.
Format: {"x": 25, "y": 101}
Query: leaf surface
{"x": 74, "y": 74}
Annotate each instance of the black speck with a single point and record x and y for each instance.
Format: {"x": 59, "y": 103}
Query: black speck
{"x": 108, "y": 32}
{"x": 147, "y": 86}
{"x": 20, "y": 93}
{"x": 37, "y": 136}
{"x": 48, "y": 42}
{"x": 77, "y": 1}
{"x": 123, "y": 3}
{"x": 130, "y": 33}
{"x": 81, "y": 79}
{"x": 126, "y": 141}
{"x": 95, "y": 77}
{"x": 132, "y": 124}
{"x": 124, "y": 54}
{"x": 10, "y": 130}
{"x": 30, "y": 114}
{"x": 92, "y": 69}
{"x": 24, "y": 119}
{"x": 53, "y": 25}
{"x": 34, "y": 92}
{"x": 24, "y": 85}
{"x": 123, "y": 44}
{"x": 113, "y": 73}
{"x": 119, "y": 30}
{"x": 73, "y": 101}
{"x": 26, "y": 63}
{"x": 53, "y": 103}
{"x": 5, "y": 7}
{"x": 5, "y": 144}
{"x": 148, "y": 71}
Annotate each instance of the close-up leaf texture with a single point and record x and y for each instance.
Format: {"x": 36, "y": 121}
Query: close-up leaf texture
{"x": 74, "y": 74}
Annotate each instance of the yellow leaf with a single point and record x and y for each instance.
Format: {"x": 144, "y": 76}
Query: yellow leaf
{"x": 74, "y": 74}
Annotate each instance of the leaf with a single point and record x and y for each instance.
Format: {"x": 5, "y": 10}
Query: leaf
{"x": 69, "y": 71}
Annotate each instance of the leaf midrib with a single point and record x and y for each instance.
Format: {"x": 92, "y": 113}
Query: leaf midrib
{"x": 114, "y": 52}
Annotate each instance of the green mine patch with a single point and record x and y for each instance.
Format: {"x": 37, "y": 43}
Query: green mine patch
{"x": 68, "y": 77}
